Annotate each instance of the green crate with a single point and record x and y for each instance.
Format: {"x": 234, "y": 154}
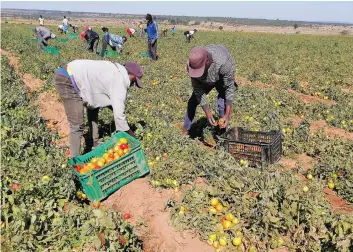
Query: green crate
{"x": 52, "y": 50}
{"x": 111, "y": 54}
{"x": 73, "y": 35}
{"x": 64, "y": 40}
{"x": 99, "y": 184}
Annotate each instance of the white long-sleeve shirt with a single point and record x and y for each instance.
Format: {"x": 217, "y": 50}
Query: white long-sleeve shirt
{"x": 103, "y": 83}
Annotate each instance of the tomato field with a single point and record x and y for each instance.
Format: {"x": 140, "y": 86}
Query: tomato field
{"x": 301, "y": 85}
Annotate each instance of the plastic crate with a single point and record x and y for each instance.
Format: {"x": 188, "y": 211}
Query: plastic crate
{"x": 64, "y": 40}
{"x": 99, "y": 184}
{"x": 258, "y": 148}
{"x": 111, "y": 54}
{"x": 52, "y": 50}
{"x": 73, "y": 35}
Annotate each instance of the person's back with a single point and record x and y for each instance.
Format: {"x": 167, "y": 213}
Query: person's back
{"x": 65, "y": 21}
{"x": 42, "y": 30}
{"x": 222, "y": 61}
{"x": 115, "y": 40}
{"x": 97, "y": 78}
{"x": 91, "y": 34}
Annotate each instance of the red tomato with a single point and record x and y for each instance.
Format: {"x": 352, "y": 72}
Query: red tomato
{"x": 77, "y": 167}
{"x": 67, "y": 152}
{"x": 126, "y": 216}
{"x": 15, "y": 187}
{"x": 96, "y": 167}
{"x": 124, "y": 146}
{"x": 111, "y": 155}
{"x": 83, "y": 165}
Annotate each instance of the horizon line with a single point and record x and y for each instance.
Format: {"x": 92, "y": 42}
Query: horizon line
{"x": 302, "y": 21}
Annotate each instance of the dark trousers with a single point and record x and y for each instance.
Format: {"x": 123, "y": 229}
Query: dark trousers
{"x": 74, "y": 110}
{"x": 152, "y": 49}
{"x": 43, "y": 40}
{"x": 104, "y": 47}
{"x": 193, "y": 103}
{"x": 188, "y": 38}
{"x": 92, "y": 45}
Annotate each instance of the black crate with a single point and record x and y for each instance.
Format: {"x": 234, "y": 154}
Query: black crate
{"x": 258, "y": 148}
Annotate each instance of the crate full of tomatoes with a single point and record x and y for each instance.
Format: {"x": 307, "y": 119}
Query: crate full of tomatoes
{"x": 110, "y": 166}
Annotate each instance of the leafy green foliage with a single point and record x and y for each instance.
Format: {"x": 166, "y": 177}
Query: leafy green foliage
{"x": 280, "y": 209}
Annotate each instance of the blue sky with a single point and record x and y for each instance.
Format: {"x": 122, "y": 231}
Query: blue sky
{"x": 303, "y": 11}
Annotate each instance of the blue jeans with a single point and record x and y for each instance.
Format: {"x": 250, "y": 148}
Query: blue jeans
{"x": 193, "y": 103}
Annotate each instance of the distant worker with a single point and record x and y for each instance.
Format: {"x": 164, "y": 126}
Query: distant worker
{"x": 41, "y": 20}
{"x": 189, "y": 34}
{"x": 92, "y": 39}
{"x": 95, "y": 84}
{"x": 65, "y": 24}
{"x": 61, "y": 29}
{"x": 142, "y": 31}
{"x": 210, "y": 67}
{"x": 130, "y": 32}
{"x": 74, "y": 28}
{"x": 173, "y": 30}
{"x": 43, "y": 34}
{"x": 115, "y": 42}
{"x": 152, "y": 37}
{"x": 164, "y": 32}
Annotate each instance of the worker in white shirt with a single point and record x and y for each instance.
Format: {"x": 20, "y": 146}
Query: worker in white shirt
{"x": 66, "y": 24}
{"x": 189, "y": 34}
{"x": 130, "y": 32}
{"x": 95, "y": 84}
{"x": 41, "y": 20}
{"x": 61, "y": 28}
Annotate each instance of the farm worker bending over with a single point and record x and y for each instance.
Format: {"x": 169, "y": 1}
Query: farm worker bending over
{"x": 189, "y": 34}
{"x": 164, "y": 32}
{"x": 210, "y": 67}
{"x": 115, "y": 42}
{"x": 74, "y": 28}
{"x": 92, "y": 39}
{"x": 43, "y": 34}
{"x": 41, "y": 20}
{"x": 61, "y": 28}
{"x": 95, "y": 84}
{"x": 65, "y": 24}
{"x": 152, "y": 37}
{"x": 130, "y": 32}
